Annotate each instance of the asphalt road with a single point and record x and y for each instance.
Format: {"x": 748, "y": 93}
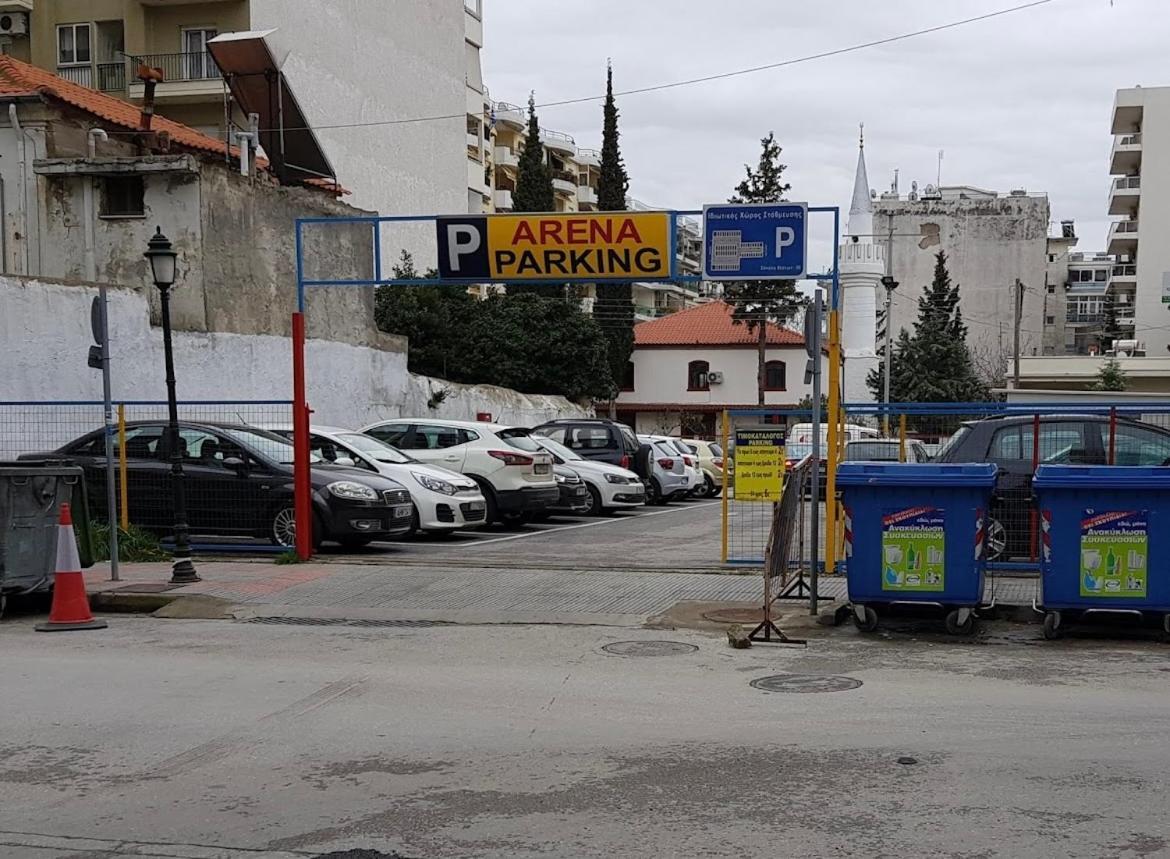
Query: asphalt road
{"x": 217, "y": 739}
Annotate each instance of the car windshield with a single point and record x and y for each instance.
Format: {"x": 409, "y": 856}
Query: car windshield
{"x": 952, "y": 442}
{"x": 802, "y": 449}
{"x": 374, "y": 449}
{"x": 269, "y": 445}
{"x": 558, "y": 449}
{"x": 872, "y": 451}
{"x": 519, "y": 438}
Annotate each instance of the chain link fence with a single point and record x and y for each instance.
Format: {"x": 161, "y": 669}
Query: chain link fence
{"x": 226, "y": 509}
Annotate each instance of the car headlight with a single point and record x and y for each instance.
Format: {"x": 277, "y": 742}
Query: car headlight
{"x": 560, "y": 478}
{"x": 352, "y": 491}
{"x": 434, "y": 484}
{"x": 614, "y": 478}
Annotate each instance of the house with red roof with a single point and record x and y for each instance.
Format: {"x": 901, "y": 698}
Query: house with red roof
{"x": 86, "y": 178}
{"x": 688, "y": 367}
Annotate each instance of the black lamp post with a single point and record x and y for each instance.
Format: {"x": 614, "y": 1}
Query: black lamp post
{"x": 162, "y": 257}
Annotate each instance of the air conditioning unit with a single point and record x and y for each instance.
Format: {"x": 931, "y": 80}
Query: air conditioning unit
{"x": 14, "y": 24}
{"x": 715, "y": 377}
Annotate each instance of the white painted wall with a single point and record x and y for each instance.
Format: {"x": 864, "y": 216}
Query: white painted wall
{"x": 45, "y": 327}
{"x": 660, "y": 376}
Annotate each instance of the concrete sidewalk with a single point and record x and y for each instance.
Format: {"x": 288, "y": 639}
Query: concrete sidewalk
{"x": 400, "y": 592}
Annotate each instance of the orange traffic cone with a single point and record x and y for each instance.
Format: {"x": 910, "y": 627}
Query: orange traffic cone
{"x": 70, "y": 604}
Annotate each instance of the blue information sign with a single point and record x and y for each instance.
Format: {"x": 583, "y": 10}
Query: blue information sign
{"x": 761, "y": 241}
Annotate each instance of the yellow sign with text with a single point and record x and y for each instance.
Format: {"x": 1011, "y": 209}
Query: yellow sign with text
{"x": 581, "y": 246}
{"x": 759, "y": 464}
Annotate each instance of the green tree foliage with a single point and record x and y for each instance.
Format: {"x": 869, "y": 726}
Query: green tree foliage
{"x": 613, "y": 308}
{"x": 1111, "y": 377}
{"x": 531, "y": 344}
{"x": 760, "y": 303}
{"x": 534, "y": 190}
{"x": 933, "y": 365}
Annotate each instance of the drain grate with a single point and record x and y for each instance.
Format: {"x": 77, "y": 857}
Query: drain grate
{"x": 648, "y": 648}
{"x": 805, "y": 683}
{"x": 341, "y": 621}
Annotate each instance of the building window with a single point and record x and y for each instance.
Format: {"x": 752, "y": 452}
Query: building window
{"x": 697, "y": 376}
{"x": 1049, "y": 320}
{"x": 774, "y": 376}
{"x": 73, "y": 47}
{"x": 197, "y": 61}
{"x": 123, "y": 197}
{"x": 1101, "y": 275}
{"x": 1051, "y": 288}
{"x": 628, "y": 377}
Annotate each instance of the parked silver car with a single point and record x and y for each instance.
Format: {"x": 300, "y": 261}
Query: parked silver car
{"x": 668, "y": 473}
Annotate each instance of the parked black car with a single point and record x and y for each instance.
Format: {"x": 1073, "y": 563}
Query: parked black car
{"x": 1013, "y": 445}
{"x": 239, "y": 482}
{"x": 574, "y": 494}
{"x": 598, "y": 438}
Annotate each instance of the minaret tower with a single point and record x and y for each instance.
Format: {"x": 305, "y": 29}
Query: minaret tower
{"x": 862, "y": 262}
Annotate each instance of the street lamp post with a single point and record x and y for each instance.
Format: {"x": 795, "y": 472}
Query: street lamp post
{"x": 890, "y": 285}
{"x": 162, "y": 257}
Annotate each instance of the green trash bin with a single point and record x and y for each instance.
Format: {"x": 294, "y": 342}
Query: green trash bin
{"x": 31, "y": 495}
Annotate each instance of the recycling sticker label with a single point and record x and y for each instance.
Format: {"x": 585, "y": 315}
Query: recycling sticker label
{"x": 1114, "y": 553}
{"x": 913, "y": 549}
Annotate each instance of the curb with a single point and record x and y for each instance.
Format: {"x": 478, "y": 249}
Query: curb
{"x": 130, "y": 603}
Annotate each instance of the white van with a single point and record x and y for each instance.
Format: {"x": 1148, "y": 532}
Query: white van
{"x": 802, "y": 433}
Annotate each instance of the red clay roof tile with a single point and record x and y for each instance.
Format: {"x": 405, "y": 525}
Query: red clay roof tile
{"x": 707, "y": 325}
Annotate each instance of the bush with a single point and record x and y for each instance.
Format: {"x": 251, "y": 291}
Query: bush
{"x": 134, "y": 546}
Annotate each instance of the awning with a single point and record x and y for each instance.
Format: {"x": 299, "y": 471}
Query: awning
{"x": 258, "y": 86}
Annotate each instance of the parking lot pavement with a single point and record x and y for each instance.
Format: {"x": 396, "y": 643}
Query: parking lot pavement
{"x": 208, "y": 738}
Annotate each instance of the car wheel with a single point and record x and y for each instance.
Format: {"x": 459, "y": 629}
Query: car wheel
{"x": 654, "y": 493}
{"x": 995, "y": 542}
{"x": 282, "y": 531}
{"x": 593, "y": 502}
{"x": 516, "y": 520}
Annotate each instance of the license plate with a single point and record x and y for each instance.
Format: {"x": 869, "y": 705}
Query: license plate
{"x": 541, "y": 468}
{"x": 402, "y": 512}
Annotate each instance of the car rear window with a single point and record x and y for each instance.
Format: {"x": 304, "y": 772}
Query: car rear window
{"x": 716, "y": 450}
{"x": 589, "y": 438}
{"x": 519, "y": 439}
{"x": 872, "y": 451}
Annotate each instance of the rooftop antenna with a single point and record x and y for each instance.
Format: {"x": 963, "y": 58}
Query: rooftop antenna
{"x": 894, "y": 187}
{"x": 938, "y": 180}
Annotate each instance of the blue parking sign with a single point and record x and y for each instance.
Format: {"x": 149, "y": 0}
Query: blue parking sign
{"x": 755, "y": 241}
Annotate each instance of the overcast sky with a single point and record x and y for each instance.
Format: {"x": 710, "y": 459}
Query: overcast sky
{"x": 1022, "y": 100}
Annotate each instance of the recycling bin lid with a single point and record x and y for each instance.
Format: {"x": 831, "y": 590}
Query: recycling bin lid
{"x": 916, "y": 474}
{"x": 1102, "y": 477}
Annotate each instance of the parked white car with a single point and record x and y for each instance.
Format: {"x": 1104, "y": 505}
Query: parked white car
{"x": 610, "y": 487}
{"x": 668, "y": 475}
{"x": 444, "y": 500}
{"x": 689, "y": 460}
{"x": 514, "y": 473}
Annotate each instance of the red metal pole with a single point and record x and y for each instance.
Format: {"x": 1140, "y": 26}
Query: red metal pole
{"x": 302, "y": 487}
{"x": 1112, "y": 434}
{"x": 1035, "y": 519}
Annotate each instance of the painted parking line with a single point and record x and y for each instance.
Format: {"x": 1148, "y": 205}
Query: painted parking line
{"x": 599, "y": 522}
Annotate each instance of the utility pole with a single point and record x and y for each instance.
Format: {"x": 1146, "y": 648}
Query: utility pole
{"x": 1019, "y": 307}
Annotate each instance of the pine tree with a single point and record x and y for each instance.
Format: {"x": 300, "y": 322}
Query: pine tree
{"x": 758, "y": 303}
{"x": 934, "y": 364}
{"x": 614, "y": 307}
{"x": 534, "y": 190}
{"x": 1111, "y": 377}
{"x": 1110, "y": 329}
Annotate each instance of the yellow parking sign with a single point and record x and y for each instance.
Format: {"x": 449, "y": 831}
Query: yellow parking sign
{"x": 759, "y": 464}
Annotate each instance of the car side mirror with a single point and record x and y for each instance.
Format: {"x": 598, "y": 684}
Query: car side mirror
{"x": 345, "y": 460}
{"x": 234, "y": 463}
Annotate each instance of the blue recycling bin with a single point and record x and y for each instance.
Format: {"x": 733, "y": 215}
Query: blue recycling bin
{"x": 1105, "y": 535}
{"x": 914, "y": 533}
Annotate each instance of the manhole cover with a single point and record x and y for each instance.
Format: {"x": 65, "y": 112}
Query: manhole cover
{"x": 805, "y": 683}
{"x": 648, "y": 648}
{"x": 145, "y": 588}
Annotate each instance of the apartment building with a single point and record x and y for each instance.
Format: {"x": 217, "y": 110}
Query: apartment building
{"x": 1140, "y": 193}
{"x": 334, "y": 57}
{"x": 575, "y": 172}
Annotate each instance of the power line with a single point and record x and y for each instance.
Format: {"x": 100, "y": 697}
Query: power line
{"x": 861, "y": 46}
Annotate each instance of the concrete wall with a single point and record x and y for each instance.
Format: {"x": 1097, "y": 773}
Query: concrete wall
{"x": 660, "y": 376}
{"x": 46, "y": 328}
{"x": 352, "y": 61}
{"x": 989, "y": 243}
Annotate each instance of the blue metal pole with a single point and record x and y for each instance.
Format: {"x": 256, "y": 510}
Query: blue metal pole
{"x": 377, "y": 228}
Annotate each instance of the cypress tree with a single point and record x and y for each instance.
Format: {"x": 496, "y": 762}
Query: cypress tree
{"x": 758, "y": 303}
{"x": 534, "y": 190}
{"x": 613, "y": 307}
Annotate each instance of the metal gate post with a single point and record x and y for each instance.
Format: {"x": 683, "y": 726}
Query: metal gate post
{"x": 726, "y": 487}
{"x": 302, "y": 487}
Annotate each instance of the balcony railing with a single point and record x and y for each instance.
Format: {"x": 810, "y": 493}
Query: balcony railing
{"x": 107, "y": 76}
{"x": 1130, "y": 140}
{"x": 1085, "y": 318}
{"x": 1126, "y": 271}
{"x": 197, "y": 66}
{"x": 1127, "y": 182}
{"x": 1125, "y": 227}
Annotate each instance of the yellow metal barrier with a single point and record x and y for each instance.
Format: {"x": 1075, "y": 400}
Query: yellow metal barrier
{"x": 726, "y": 486}
{"x": 901, "y": 438}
